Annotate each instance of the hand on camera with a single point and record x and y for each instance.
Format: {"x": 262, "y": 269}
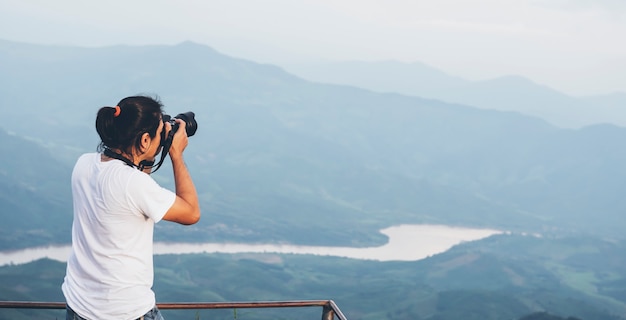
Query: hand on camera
{"x": 180, "y": 139}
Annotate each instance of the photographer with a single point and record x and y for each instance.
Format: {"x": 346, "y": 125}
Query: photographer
{"x": 116, "y": 204}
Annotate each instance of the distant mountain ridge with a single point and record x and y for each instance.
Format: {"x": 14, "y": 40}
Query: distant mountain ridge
{"x": 508, "y": 93}
{"x": 279, "y": 158}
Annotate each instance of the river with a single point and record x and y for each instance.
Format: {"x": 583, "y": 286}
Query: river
{"x": 406, "y": 243}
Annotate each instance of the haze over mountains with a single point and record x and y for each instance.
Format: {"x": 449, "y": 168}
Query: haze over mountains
{"x": 281, "y": 159}
{"x": 300, "y": 155}
{"x": 273, "y": 145}
{"x": 508, "y": 93}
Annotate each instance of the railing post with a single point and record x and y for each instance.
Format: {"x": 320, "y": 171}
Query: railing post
{"x": 328, "y": 313}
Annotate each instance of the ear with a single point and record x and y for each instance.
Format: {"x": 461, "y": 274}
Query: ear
{"x": 145, "y": 142}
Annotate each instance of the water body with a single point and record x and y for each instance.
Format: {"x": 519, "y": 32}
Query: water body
{"x": 406, "y": 243}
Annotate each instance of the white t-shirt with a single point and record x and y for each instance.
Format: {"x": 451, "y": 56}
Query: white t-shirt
{"x": 110, "y": 270}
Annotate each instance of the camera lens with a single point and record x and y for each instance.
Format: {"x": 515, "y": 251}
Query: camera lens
{"x": 190, "y": 121}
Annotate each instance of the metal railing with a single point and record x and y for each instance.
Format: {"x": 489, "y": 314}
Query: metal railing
{"x": 329, "y": 308}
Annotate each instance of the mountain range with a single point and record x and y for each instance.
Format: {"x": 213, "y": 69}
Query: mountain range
{"x": 305, "y": 159}
{"x": 281, "y": 159}
{"x": 507, "y": 93}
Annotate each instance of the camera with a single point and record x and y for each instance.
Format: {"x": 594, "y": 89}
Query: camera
{"x": 166, "y": 141}
{"x": 190, "y": 122}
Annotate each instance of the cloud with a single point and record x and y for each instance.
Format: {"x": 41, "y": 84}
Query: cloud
{"x": 606, "y": 5}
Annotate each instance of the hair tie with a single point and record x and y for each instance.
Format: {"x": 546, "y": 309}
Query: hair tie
{"x": 117, "y": 111}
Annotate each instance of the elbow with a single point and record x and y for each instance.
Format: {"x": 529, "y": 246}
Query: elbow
{"x": 183, "y": 213}
{"x": 193, "y": 217}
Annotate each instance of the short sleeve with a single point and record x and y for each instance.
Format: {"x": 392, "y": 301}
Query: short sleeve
{"x": 148, "y": 196}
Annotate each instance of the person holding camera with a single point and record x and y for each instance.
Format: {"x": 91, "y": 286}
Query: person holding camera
{"x": 116, "y": 204}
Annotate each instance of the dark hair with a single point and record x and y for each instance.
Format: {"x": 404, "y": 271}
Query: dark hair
{"x": 136, "y": 116}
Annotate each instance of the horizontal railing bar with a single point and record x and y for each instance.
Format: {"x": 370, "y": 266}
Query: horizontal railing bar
{"x": 241, "y": 305}
{"x": 180, "y": 305}
{"x": 32, "y": 305}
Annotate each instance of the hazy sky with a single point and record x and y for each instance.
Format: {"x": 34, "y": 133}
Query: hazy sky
{"x": 575, "y": 46}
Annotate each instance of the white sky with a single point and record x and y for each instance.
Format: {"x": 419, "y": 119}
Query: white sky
{"x": 575, "y": 46}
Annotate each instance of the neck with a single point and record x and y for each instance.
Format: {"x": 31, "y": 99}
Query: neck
{"x": 116, "y": 154}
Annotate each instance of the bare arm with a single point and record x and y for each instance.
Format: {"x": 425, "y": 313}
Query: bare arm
{"x": 185, "y": 209}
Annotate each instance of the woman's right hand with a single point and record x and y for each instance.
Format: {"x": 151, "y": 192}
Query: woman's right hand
{"x": 180, "y": 139}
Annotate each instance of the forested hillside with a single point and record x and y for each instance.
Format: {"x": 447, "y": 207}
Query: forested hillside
{"x": 503, "y": 277}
